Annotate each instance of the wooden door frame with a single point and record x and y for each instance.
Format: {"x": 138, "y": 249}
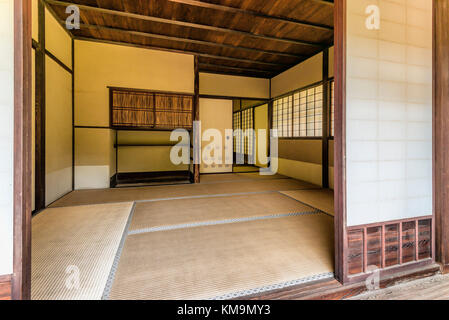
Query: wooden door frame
{"x": 21, "y": 278}
{"x": 340, "y": 229}
{"x": 441, "y": 131}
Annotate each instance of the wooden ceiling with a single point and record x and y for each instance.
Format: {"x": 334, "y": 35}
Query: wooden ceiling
{"x": 258, "y": 38}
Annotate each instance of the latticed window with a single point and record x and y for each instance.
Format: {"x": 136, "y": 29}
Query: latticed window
{"x": 243, "y": 132}
{"x": 237, "y": 138}
{"x": 299, "y": 114}
{"x": 248, "y": 133}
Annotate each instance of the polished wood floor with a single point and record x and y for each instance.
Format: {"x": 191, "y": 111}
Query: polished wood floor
{"x": 432, "y": 288}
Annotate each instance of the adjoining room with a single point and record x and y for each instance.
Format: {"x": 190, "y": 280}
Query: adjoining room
{"x": 114, "y": 216}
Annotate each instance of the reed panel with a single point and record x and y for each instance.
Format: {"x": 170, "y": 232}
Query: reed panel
{"x": 132, "y": 108}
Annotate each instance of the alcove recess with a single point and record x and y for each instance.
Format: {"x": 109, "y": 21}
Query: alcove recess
{"x": 145, "y": 110}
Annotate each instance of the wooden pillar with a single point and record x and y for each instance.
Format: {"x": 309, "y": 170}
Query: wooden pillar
{"x": 196, "y": 115}
{"x": 40, "y": 112}
{"x": 21, "y": 280}
{"x": 325, "y": 124}
{"x": 441, "y": 131}
{"x": 340, "y": 140}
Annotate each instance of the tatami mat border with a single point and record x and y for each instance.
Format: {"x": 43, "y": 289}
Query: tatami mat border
{"x": 213, "y": 223}
{"x": 110, "y": 281}
{"x": 306, "y": 204}
{"x": 278, "y": 286}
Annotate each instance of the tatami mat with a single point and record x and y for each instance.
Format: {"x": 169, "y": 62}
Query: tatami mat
{"x": 69, "y": 242}
{"x": 216, "y": 261}
{"x": 188, "y": 211}
{"x": 322, "y": 199}
{"x": 245, "y": 169}
{"x": 84, "y": 197}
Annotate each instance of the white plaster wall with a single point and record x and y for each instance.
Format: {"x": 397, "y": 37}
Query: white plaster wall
{"x": 306, "y": 73}
{"x": 6, "y": 134}
{"x": 389, "y": 112}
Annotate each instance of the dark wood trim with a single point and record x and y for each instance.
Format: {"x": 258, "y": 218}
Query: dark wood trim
{"x": 21, "y": 279}
{"x": 341, "y": 243}
{"x": 196, "y": 115}
{"x": 120, "y": 129}
{"x": 73, "y": 114}
{"x": 92, "y": 127}
{"x": 187, "y": 24}
{"x": 34, "y": 44}
{"x": 246, "y": 75}
{"x": 55, "y": 59}
{"x": 113, "y": 181}
{"x": 40, "y": 113}
{"x": 256, "y": 14}
{"x": 116, "y": 152}
{"x": 440, "y": 129}
{"x": 325, "y": 123}
{"x": 150, "y": 91}
{"x": 149, "y": 177}
{"x": 270, "y": 124}
{"x": 375, "y": 224}
{"x": 209, "y": 96}
{"x": 212, "y": 65}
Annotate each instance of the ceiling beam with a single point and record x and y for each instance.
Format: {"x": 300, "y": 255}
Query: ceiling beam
{"x": 201, "y": 42}
{"x": 229, "y": 9}
{"x": 186, "y": 24}
{"x": 204, "y": 55}
{"x": 230, "y": 73}
{"x": 213, "y": 65}
{"x": 325, "y": 2}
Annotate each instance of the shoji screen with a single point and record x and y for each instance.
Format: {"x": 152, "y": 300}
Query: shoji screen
{"x": 6, "y": 135}
{"x": 389, "y": 110}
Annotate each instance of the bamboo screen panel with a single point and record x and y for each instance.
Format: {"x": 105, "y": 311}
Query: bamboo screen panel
{"x": 150, "y": 110}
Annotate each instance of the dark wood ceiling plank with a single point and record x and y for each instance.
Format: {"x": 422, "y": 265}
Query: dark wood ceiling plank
{"x": 230, "y": 9}
{"x": 130, "y": 33}
{"x": 195, "y": 41}
{"x": 187, "y": 24}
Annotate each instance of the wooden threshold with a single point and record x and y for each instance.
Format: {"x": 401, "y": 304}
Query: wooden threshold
{"x": 331, "y": 289}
